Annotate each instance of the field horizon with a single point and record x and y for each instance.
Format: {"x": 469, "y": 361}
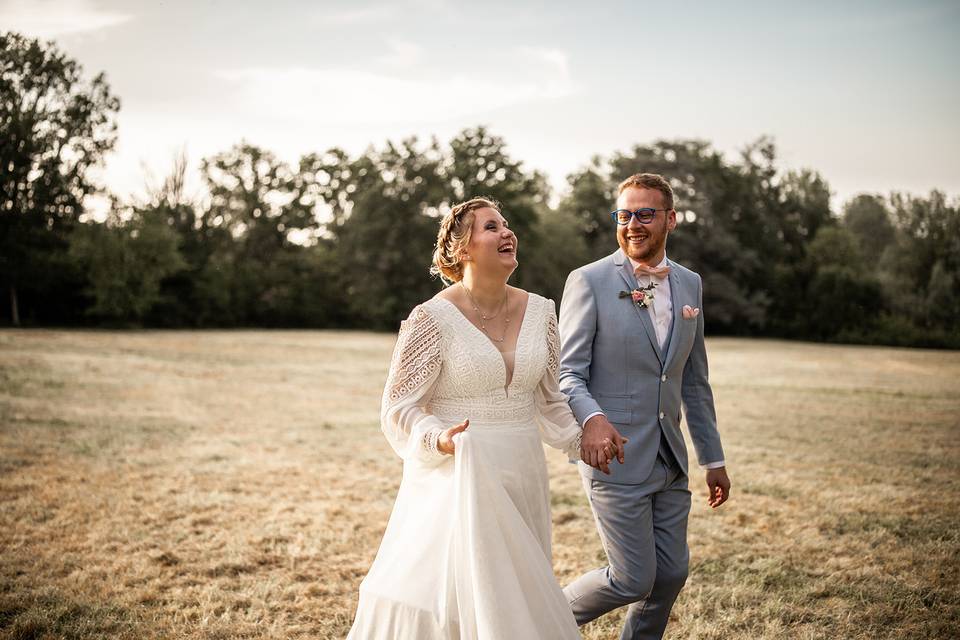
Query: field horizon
{"x": 224, "y": 484}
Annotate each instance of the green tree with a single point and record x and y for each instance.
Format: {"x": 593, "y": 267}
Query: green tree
{"x": 385, "y": 244}
{"x": 587, "y": 204}
{"x": 803, "y": 211}
{"x": 384, "y": 207}
{"x": 842, "y": 298}
{"x": 922, "y": 264}
{"x": 125, "y": 262}
{"x": 714, "y": 206}
{"x": 180, "y": 303}
{"x": 869, "y": 220}
{"x": 800, "y": 211}
{"x": 942, "y": 302}
{"x": 257, "y": 225}
{"x": 743, "y": 225}
{"x": 479, "y": 165}
{"x": 54, "y": 126}
{"x": 560, "y": 250}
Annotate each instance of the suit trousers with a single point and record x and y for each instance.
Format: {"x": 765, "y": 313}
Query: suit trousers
{"x": 643, "y": 529}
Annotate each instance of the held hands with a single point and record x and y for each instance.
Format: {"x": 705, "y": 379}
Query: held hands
{"x": 719, "y": 486}
{"x": 445, "y": 443}
{"x": 601, "y": 443}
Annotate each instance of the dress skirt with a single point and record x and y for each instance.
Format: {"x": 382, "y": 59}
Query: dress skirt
{"x": 466, "y": 553}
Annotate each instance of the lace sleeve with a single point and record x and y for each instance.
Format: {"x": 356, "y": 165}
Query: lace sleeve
{"x": 558, "y": 426}
{"x": 414, "y": 369}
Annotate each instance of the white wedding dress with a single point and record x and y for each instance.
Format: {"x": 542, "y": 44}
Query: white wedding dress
{"x": 466, "y": 554}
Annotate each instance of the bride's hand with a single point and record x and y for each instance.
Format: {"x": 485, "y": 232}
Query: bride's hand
{"x": 445, "y": 443}
{"x": 601, "y": 443}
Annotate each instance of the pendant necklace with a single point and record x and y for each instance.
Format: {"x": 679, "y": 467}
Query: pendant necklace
{"x": 484, "y": 317}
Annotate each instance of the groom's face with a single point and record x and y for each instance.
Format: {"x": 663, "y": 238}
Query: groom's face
{"x": 645, "y": 242}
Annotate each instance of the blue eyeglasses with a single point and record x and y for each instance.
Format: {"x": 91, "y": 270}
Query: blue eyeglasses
{"x": 644, "y": 215}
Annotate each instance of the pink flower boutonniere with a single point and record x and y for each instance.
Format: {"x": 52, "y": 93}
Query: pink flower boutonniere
{"x": 640, "y": 296}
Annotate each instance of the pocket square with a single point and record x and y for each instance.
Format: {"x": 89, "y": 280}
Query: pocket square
{"x": 690, "y": 312}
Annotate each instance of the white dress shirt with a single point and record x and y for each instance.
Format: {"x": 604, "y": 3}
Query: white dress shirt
{"x": 661, "y": 314}
{"x": 661, "y": 307}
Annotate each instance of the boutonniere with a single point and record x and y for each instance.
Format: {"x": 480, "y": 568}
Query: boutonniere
{"x": 640, "y": 296}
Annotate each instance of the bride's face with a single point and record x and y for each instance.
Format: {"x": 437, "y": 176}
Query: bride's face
{"x": 492, "y": 246}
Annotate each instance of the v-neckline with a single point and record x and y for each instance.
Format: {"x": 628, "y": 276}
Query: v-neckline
{"x": 488, "y": 341}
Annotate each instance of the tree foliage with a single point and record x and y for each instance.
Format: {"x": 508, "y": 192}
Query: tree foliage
{"x": 125, "y": 262}
{"x": 54, "y": 126}
{"x": 345, "y": 240}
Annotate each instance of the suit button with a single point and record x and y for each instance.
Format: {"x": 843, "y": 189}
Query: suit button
{"x": 663, "y": 378}
{"x": 662, "y": 414}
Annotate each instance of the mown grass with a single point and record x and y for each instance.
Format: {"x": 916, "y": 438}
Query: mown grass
{"x": 235, "y": 485}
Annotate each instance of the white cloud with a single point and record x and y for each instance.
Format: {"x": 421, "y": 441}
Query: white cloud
{"x": 293, "y": 110}
{"x": 52, "y": 18}
{"x": 552, "y": 65}
{"x": 431, "y": 5}
{"x": 351, "y": 97}
{"x": 551, "y": 57}
{"x": 402, "y": 55}
{"x": 359, "y": 15}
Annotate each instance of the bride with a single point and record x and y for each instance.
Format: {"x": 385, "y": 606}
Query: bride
{"x": 472, "y": 392}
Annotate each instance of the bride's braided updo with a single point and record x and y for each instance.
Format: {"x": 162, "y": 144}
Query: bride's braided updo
{"x": 454, "y": 236}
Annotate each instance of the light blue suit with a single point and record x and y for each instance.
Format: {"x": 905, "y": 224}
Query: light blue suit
{"x": 611, "y": 361}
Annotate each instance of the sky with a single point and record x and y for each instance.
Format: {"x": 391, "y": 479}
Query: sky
{"x": 864, "y": 91}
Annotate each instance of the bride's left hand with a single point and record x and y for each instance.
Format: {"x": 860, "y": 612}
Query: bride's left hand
{"x": 445, "y": 443}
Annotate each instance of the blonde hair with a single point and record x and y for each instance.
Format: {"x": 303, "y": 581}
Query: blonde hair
{"x": 454, "y": 236}
{"x": 649, "y": 181}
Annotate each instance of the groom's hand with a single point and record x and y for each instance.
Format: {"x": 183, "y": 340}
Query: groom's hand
{"x": 719, "y": 485}
{"x": 600, "y": 443}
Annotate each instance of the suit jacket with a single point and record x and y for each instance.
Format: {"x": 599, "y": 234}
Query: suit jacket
{"x": 611, "y": 361}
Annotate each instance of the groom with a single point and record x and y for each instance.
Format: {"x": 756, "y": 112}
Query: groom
{"x": 632, "y": 336}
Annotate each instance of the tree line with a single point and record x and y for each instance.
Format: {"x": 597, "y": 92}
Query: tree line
{"x": 344, "y": 240}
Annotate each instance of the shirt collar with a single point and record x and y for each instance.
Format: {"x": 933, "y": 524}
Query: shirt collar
{"x": 636, "y": 264}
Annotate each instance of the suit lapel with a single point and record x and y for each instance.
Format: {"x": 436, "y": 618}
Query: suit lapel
{"x": 625, "y": 269}
{"x": 677, "y": 312}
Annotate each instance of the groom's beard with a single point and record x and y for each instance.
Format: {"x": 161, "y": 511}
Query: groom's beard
{"x": 649, "y": 248}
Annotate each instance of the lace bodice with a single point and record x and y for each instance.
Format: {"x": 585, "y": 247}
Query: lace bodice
{"x": 445, "y": 369}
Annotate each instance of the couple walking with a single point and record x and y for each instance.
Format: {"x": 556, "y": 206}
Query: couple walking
{"x": 482, "y": 375}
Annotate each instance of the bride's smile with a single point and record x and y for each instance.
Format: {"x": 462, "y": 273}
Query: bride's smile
{"x": 492, "y": 244}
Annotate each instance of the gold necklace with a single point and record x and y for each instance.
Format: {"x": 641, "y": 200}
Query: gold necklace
{"x": 484, "y": 318}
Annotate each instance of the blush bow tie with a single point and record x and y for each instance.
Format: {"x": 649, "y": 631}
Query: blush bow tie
{"x": 656, "y": 272}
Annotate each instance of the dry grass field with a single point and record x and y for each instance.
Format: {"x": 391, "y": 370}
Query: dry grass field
{"x": 225, "y": 485}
